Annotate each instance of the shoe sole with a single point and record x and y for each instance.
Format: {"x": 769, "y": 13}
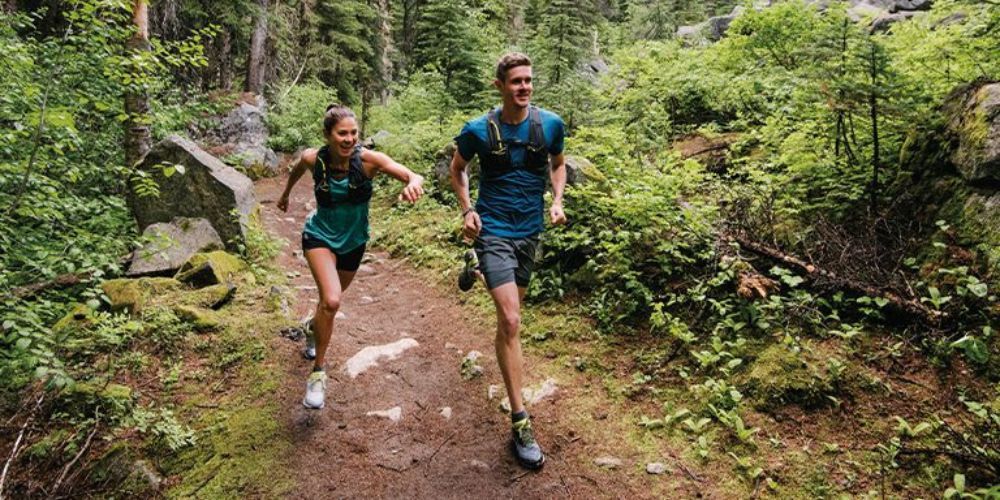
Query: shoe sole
{"x": 307, "y": 405}
{"x": 524, "y": 463}
{"x": 467, "y": 278}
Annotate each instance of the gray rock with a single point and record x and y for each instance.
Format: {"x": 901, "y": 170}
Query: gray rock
{"x": 256, "y": 159}
{"x": 712, "y": 30}
{"x": 656, "y": 468}
{"x": 882, "y": 23}
{"x": 374, "y": 141}
{"x": 910, "y": 5}
{"x": 243, "y": 134}
{"x": 244, "y": 124}
{"x": 580, "y": 171}
{"x": 594, "y": 69}
{"x": 442, "y": 169}
{"x": 170, "y": 244}
{"x": 207, "y": 189}
{"x": 608, "y": 462}
{"x": 974, "y": 119}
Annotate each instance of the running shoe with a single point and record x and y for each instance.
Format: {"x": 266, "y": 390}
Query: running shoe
{"x": 467, "y": 278}
{"x": 310, "y": 351}
{"x": 315, "y": 391}
{"x": 524, "y": 447}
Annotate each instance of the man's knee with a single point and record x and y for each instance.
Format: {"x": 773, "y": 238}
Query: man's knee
{"x": 510, "y": 324}
{"x": 331, "y": 304}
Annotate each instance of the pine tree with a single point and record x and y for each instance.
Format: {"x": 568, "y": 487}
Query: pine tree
{"x": 448, "y": 43}
{"x": 341, "y": 53}
{"x": 563, "y": 35}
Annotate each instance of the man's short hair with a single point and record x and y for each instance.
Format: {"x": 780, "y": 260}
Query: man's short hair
{"x": 508, "y": 61}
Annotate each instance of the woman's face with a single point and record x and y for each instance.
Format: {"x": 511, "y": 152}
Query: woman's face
{"x": 343, "y": 137}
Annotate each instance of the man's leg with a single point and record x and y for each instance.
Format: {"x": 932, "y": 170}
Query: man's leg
{"x": 507, "y": 299}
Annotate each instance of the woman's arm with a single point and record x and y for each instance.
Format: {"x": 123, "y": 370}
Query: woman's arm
{"x": 382, "y": 163}
{"x": 303, "y": 162}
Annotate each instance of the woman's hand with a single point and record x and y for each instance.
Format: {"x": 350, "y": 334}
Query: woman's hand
{"x": 413, "y": 190}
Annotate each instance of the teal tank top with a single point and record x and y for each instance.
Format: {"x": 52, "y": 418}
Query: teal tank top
{"x": 343, "y": 226}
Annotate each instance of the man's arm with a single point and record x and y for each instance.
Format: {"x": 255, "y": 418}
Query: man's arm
{"x": 460, "y": 184}
{"x": 557, "y": 174}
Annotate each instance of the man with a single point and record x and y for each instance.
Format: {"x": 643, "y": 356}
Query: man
{"x": 518, "y": 145}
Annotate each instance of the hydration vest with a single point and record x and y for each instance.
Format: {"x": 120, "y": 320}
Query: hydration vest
{"x": 498, "y": 161}
{"x": 359, "y": 186}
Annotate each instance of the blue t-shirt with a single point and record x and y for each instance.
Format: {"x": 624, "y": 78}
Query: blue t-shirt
{"x": 511, "y": 204}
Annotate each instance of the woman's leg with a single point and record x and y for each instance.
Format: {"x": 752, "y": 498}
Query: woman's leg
{"x": 323, "y": 265}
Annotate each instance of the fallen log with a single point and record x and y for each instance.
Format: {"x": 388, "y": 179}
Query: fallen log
{"x": 910, "y": 306}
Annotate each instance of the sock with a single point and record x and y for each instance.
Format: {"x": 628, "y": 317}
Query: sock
{"x": 519, "y": 416}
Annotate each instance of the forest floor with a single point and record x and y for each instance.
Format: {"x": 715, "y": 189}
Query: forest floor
{"x": 342, "y": 451}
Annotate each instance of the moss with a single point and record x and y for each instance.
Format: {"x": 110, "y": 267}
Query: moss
{"x": 78, "y": 318}
{"x": 212, "y": 268}
{"x": 979, "y": 227}
{"x": 780, "y": 376}
{"x": 212, "y": 297}
{"x": 133, "y": 295}
{"x": 114, "y": 395}
{"x": 203, "y": 320}
{"x": 45, "y": 447}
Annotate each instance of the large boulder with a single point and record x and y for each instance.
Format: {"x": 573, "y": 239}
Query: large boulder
{"x": 169, "y": 244}
{"x": 973, "y": 115}
{"x": 374, "y": 141}
{"x": 206, "y": 189}
{"x": 884, "y": 21}
{"x": 442, "y": 168}
{"x": 951, "y": 171}
{"x": 580, "y": 171}
{"x": 242, "y": 137}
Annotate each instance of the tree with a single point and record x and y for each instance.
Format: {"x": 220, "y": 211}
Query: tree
{"x": 341, "y": 49}
{"x": 138, "y": 138}
{"x": 256, "y": 59}
{"x": 448, "y": 43}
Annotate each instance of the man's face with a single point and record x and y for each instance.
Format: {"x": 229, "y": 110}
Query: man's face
{"x": 516, "y": 90}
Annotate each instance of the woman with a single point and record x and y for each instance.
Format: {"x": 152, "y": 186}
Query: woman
{"x": 336, "y": 233}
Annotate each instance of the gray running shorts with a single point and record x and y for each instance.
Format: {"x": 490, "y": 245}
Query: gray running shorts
{"x": 502, "y": 260}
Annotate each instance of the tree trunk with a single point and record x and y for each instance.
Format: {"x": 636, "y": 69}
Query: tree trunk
{"x": 385, "y": 48}
{"x": 138, "y": 137}
{"x": 226, "y": 61}
{"x": 256, "y": 60}
{"x": 873, "y": 108}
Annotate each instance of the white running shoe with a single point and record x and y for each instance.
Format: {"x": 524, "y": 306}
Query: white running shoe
{"x": 315, "y": 391}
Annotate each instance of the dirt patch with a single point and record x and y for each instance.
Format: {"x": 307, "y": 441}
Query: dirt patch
{"x": 341, "y": 451}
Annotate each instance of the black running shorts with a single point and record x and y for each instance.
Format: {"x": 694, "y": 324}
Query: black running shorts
{"x": 349, "y": 261}
{"x": 503, "y": 260}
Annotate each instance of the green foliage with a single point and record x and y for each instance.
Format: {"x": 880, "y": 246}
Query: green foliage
{"x": 450, "y": 44}
{"x": 343, "y": 55}
{"x": 296, "y": 122}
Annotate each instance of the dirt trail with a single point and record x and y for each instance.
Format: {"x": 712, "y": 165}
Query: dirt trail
{"x": 343, "y": 453}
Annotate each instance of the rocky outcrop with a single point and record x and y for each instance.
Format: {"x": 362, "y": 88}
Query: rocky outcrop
{"x": 203, "y": 187}
{"x": 376, "y": 140}
{"x": 882, "y": 13}
{"x": 973, "y": 121}
{"x": 167, "y": 245}
{"x": 241, "y": 138}
{"x": 952, "y": 171}
{"x": 580, "y": 171}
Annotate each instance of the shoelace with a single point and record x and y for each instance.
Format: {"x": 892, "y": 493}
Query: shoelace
{"x": 524, "y": 433}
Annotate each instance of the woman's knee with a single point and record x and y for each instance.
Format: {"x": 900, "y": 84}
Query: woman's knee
{"x": 330, "y": 304}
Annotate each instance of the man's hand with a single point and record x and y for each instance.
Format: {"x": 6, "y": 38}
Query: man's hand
{"x": 473, "y": 224}
{"x": 283, "y": 203}
{"x": 556, "y": 214}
